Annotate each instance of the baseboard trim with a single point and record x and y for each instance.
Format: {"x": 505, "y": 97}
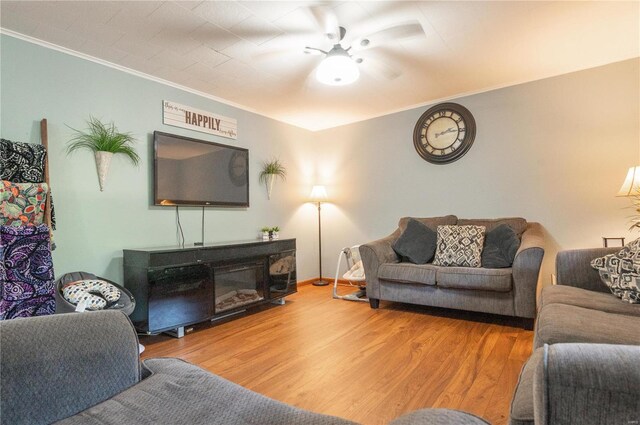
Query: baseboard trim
{"x": 325, "y": 279}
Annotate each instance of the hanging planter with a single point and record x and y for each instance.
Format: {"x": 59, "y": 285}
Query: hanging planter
{"x": 271, "y": 170}
{"x": 103, "y": 161}
{"x": 105, "y": 141}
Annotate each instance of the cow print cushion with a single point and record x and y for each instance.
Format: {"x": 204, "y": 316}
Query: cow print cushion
{"x": 459, "y": 246}
{"x": 96, "y": 294}
{"x": 621, "y": 272}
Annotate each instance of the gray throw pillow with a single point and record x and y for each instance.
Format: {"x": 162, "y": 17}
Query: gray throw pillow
{"x": 500, "y": 247}
{"x": 417, "y": 243}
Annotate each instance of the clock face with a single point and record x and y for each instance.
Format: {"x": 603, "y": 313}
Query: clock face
{"x": 444, "y": 133}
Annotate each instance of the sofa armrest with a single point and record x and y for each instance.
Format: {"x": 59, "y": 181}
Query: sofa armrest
{"x": 573, "y": 268}
{"x": 53, "y": 367}
{"x": 587, "y": 384}
{"x": 526, "y": 269}
{"x": 374, "y": 254}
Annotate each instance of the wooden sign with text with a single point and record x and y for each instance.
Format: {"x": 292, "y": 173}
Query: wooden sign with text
{"x": 195, "y": 119}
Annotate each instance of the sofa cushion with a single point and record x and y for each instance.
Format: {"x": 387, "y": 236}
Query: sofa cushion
{"x": 408, "y": 273}
{"x": 521, "y": 412}
{"x": 500, "y": 247}
{"x": 430, "y": 222}
{"x": 620, "y": 271}
{"x": 519, "y": 225}
{"x": 417, "y": 243}
{"x": 498, "y": 280}
{"x": 570, "y": 295}
{"x": 459, "y": 246}
{"x": 181, "y": 393}
{"x": 432, "y": 416}
{"x": 567, "y": 323}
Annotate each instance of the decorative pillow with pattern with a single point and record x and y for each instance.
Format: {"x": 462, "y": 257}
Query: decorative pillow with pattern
{"x": 22, "y": 204}
{"x": 620, "y": 271}
{"x": 459, "y": 246}
{"x": 95, "y": 293}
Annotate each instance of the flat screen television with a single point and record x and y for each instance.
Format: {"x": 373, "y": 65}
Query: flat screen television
{"x": 196, "y": 172}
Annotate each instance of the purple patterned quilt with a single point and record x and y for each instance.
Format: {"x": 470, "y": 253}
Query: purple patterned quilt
{"x": 26, "y": 272}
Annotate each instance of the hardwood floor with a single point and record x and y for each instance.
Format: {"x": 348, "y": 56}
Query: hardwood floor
{"x": 345, "y": 359}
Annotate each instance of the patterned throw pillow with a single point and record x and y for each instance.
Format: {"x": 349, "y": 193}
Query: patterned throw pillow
{"x": 621, "y": 272}
{"x": 459, "y": 246}
{"x": 22, "y": 204}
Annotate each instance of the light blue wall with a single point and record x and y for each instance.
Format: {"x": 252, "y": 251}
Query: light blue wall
{"x": 553, "y": 151}
{"x": 94, "y": 226}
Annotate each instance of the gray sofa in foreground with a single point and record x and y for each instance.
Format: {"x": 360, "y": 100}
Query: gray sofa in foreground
{"x": 84, "y": 368}
{"x": 603, "y": 383}
{"x": 509, "y": 291}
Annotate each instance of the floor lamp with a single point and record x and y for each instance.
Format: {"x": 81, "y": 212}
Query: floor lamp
{"x": 319, "y": 195}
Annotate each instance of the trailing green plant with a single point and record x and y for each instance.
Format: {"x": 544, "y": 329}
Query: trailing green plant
{"x": 272, "y": 168}
{"x": 100, "y": 137}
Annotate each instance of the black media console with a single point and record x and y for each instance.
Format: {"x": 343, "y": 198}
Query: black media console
{"x": 176, "y": 287}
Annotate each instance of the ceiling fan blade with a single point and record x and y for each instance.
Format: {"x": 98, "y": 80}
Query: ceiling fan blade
{"x": 327, "y": 21}
{"x": 314, "y": 51}
{"x": 387, "y": 35}
{"x": 378, "y": 69}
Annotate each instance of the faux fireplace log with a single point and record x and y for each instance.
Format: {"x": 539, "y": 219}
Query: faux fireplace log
{"x": 177, "y": 287}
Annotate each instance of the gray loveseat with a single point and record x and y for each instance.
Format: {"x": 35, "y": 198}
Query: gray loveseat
{"x": 603, "y": 385}
{"x": 509, "y": 291}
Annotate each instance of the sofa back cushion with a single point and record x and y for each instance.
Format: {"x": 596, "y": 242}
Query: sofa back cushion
{"x": 431, "y": 222}
{"x": 517, "y": 224}
{"x": 56, "y": 366}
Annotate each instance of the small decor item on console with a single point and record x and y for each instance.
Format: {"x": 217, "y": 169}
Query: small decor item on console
{"x": 620, "y": 271}
{"x": 265, "y": 233}
{"x": 95, "y": 294}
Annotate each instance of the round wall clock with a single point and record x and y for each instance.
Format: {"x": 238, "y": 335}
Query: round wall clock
{"x": 444, "y": 133}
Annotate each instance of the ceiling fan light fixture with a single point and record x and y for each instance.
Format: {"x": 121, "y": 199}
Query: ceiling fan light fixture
{"x": 337, "y": 70}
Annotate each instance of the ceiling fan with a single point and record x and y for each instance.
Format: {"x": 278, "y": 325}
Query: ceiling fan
{"x": 340, "y": 65}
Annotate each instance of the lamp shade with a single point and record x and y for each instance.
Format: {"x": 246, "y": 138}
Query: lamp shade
{"x": 631, "y": 185}
{"x": 337, "y": 70}
{"x": 318, "y": 194}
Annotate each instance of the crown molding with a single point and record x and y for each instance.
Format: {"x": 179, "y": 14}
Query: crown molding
{"x": 159, "y": 80}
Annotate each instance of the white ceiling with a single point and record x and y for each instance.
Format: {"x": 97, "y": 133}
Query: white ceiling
{"x": 251, "y": 52}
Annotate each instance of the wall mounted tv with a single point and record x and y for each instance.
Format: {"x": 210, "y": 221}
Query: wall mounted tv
{"x": 196, "y": 172}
